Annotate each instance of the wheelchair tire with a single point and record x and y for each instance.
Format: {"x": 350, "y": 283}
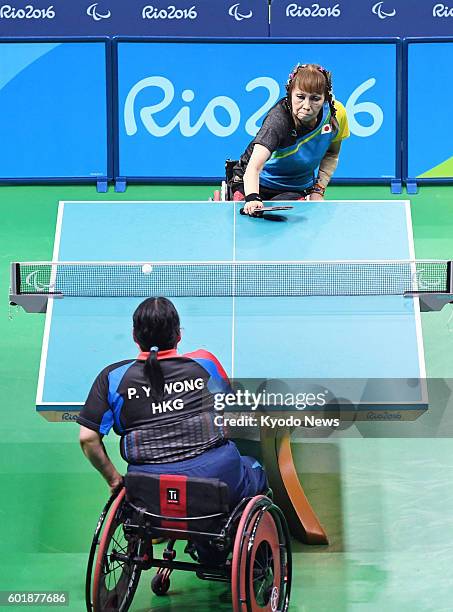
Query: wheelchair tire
{"x": 160, "y": 584}
{"x": 261, "y": 564}
{"x": 114, "y": 581}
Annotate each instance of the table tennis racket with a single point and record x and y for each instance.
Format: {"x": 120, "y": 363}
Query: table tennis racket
{"x": 266, "y": 209}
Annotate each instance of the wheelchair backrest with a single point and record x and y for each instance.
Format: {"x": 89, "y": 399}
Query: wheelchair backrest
{"x": 229, "y": 165}
{"x": 172, "y": 496}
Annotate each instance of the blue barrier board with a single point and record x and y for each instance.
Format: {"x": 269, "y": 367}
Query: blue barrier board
{"x": 361, "y": 18}
{"x": 179, "y": 120}
{"x": 429, "y": 151}
{"x": 137, "y": 18}
{"x": 53, "y": 104}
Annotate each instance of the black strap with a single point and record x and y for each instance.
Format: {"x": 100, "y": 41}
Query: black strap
{"x": 252, "y": 197}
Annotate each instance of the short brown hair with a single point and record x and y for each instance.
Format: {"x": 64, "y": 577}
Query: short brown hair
{"x": 312, "y": 78}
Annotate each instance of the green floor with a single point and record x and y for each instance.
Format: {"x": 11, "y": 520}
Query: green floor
{"x": 386, "y": 502}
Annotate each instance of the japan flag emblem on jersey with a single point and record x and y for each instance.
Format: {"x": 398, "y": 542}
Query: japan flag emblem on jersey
{"x": 326, "y": 129}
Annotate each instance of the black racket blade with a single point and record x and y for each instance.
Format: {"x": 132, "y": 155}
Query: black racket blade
{"x": 266, "y": 209}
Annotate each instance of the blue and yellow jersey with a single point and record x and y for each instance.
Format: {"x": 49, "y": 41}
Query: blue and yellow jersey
{"x": 295, "y": 154}
{"x": 295, "y": 166}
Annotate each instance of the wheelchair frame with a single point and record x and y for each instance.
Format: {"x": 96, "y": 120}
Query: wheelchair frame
{"x": 225, "y": 193}
{"x": 255, "y": 528}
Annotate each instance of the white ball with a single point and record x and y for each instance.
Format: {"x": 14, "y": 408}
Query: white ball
{"x": 147, "y": 268}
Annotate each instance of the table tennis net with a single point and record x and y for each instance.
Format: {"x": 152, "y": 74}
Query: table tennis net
{"x": 242, "y": 279}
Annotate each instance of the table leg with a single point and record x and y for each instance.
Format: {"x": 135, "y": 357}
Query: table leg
{"x": 288, "y": 491}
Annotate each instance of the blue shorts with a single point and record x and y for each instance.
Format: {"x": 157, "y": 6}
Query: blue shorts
{"x": 244, "y": 475}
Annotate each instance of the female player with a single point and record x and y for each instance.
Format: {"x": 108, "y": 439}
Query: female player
{"x": 295, "y": 153}
{"x": 162, "y": 406}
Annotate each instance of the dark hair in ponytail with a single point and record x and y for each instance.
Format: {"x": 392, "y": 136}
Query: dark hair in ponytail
{"x": 156, "y": 328}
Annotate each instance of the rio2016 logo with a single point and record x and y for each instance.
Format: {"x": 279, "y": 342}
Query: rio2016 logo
{"x": 171, "y": 12}
{"x": 189, "y": 126}
{"x": 440, "y": 10}
{"x": 294, "y": 10}
{"x": 28, "y": 12}
{"x": 68, "y": 416}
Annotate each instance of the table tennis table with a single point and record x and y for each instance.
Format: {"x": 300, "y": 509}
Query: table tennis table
{"x": 365, "y": 337}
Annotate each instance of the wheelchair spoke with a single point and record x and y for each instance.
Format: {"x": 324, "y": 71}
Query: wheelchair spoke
{"x": 262, "y": 593}
{"x": 115, "y": 576}
{"x": 122, "y": 547}
{"x": 116, "y": 567}
{"x": 263, "y": 574}
{"x": 116, "y": 573}
{"x": 264, "y": 557}
{"x": 260, "y": 565}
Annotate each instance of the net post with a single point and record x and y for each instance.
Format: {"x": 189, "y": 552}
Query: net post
{"x": 30, "y": 302}
{"x": 437, "y": 300}
{"x": 15, "y": 278}
{"x": 449, "y": 288}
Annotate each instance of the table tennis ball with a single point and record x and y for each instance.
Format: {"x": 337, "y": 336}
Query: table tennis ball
{"x": 147, "y": 268}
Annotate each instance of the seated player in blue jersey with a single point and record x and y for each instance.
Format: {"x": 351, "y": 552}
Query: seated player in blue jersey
{"x": 295, "y": 152}
{"x": 162, "y": 406}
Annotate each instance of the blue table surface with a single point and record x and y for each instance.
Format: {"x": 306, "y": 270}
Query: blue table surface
{"x": 375, "y": 337}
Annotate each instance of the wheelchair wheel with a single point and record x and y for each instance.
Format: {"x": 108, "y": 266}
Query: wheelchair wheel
{"x": 261, "y": 564}
{"x": 115, "y": 579}
{"x": 160, "y": 583}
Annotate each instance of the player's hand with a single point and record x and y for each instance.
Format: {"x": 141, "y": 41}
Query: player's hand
{"x": 251, "y": 207}
{"x": 116, "y": 484}
{"x": 315, "y": 197}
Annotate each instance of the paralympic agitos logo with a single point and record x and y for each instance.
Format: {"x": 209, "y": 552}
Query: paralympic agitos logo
{"x": 234, "y": 12}
{"x": 92, "y": 11}
{"x": 33, "y": 280}
{"x": 379, "y": 11}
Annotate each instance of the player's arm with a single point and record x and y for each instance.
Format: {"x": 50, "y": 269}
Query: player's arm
{"x": 94, "y": 449}
{"x": 329, "y": 162}
{"x": 326, "y": 169}
{"x": 258, "y": 158}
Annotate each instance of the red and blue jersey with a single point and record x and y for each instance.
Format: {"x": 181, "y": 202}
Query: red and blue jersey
{"x": 180, "y": 426}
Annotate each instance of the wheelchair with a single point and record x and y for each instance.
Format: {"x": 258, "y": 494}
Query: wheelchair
{"x": 250, "y": 543}
{"x": 225, "y": 193}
